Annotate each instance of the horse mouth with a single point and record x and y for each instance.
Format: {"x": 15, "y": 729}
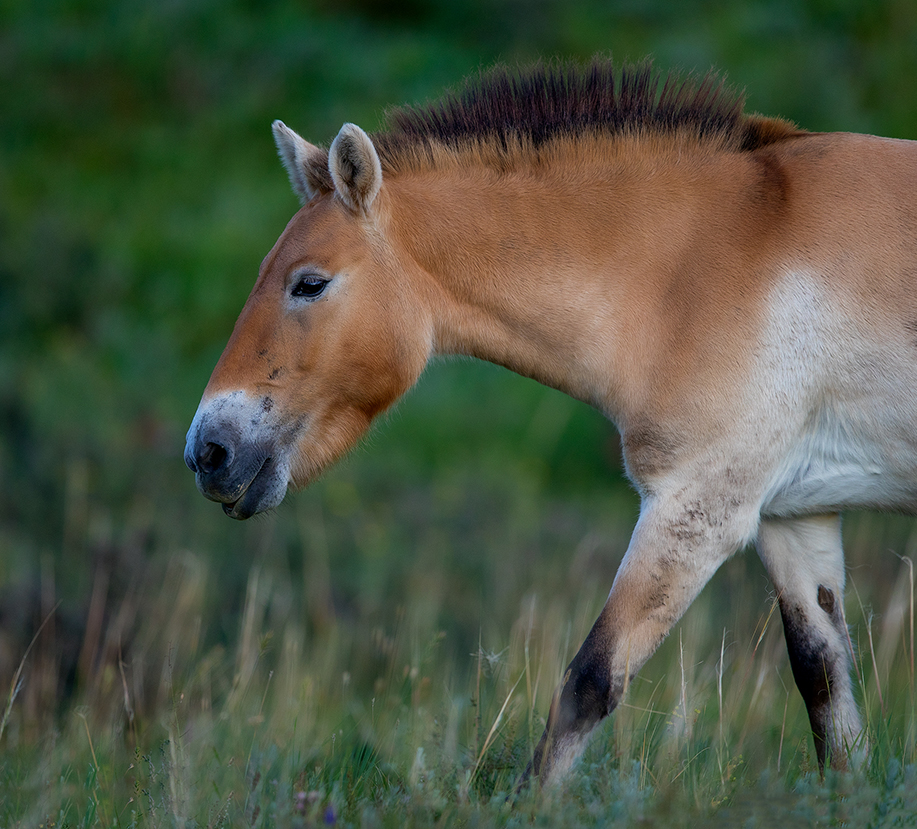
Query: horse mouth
{"x": 263, "y": 492}
{"x": 230, "y": 508}
{"x": 232, "y": 512}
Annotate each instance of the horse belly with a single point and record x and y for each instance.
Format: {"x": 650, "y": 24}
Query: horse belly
{"x": 840, "y": 376}
{"x": 842, "y": 462}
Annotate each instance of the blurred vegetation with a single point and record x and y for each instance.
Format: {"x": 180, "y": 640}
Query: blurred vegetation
{"x": 139, "y": 190}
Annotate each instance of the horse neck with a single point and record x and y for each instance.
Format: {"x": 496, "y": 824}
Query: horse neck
{"x": 555, "y": 274}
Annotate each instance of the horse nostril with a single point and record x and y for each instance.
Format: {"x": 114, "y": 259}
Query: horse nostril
{"x": 212, "y": 458}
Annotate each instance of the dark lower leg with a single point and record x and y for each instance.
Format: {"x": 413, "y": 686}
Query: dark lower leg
{"x": 586, "y": 696}
{"x": 804, "y": 557}
{"x": 676, "y": 547}
{"x": 818, "y": 668}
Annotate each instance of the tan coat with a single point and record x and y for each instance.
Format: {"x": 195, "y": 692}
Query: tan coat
{"x": 737, "y": 295}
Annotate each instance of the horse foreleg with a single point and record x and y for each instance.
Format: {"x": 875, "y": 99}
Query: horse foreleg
{"x": 675, "y": 550}
{"x": 805, "y": 560}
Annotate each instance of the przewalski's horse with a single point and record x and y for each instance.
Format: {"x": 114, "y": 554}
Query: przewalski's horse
{"x": 737, "y": 295}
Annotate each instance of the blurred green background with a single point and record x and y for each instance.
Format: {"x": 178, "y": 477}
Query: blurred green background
{"x": 139, "y": 190}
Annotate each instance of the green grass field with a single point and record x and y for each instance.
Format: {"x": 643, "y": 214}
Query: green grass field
{"x": 388, "y": 712}
{"x": 381, "y": 650}
{"x": 390, "y": 651}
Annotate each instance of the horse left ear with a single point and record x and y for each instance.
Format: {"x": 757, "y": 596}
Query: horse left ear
{"x": 306, "y": 164}
{"x": 355, "y": 168}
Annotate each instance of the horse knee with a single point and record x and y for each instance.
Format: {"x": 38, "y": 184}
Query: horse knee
{"x": 587, "y": 693}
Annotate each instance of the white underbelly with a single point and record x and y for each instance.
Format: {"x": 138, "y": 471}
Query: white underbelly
{"x": 838, "y": 466}
{"x": 853, "y": 384}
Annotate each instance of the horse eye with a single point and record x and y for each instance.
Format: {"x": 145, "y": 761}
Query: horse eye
{"x": 309, "y": 287}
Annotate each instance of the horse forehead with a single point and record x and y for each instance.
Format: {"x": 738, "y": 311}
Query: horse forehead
{"x": 317, "y": 234}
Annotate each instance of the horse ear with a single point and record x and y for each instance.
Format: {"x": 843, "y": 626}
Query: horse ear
{"x": 306, "y": 164}
{"x": 355, "y": 168}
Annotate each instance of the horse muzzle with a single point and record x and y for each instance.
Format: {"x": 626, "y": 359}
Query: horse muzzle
{"x": 235, "y": 456}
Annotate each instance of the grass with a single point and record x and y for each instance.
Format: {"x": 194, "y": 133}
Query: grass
{"x": 322, "y": 701}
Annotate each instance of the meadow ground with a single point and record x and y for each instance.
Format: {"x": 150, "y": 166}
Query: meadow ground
{"x": 381, "y": 652}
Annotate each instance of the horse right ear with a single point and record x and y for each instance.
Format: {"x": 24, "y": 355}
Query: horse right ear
{"x": 306, "y": 164}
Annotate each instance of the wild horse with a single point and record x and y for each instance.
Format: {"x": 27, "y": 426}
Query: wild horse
{"x": 739, "y": 296}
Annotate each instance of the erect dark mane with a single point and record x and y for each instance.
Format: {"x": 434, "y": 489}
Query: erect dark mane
{"x": 504, "y": 107}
